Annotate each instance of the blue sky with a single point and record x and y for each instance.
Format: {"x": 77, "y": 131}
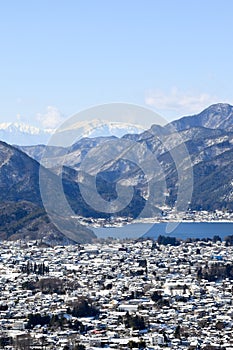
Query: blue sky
{"x": 59, "y": 57}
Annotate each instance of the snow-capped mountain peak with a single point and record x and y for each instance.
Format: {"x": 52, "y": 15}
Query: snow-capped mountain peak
{"x": 97, "y": 128}
{"x": 22, "y": 127}
{"x": 25, "y": 135}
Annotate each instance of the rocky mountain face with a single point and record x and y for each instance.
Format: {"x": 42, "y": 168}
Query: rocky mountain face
{"x": 217, "y": 116}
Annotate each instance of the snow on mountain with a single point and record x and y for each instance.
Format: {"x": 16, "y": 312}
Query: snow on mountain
{"x": 25, "y": 135}
{"x": 98, "y": 128}
{"x": 216, "y": 116}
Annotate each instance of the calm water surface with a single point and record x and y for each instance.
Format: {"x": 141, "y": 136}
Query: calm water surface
{"x": 179, "y": 230}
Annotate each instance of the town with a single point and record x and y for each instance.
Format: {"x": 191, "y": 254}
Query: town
{"x": 117, "y": 294}
{"x": 166, "y": 215}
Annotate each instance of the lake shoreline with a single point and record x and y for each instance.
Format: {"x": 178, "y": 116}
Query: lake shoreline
{"x": 182, "y": 230}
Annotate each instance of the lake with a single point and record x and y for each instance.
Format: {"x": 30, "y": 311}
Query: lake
{"x": 180, "y": 230}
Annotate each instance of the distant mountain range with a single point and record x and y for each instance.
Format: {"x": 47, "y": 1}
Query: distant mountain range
{"x": 217, "y": 116}
{"x": 208, "y": 137}
{"x": 27, "y": 135}
{"x": 23, "y": 134}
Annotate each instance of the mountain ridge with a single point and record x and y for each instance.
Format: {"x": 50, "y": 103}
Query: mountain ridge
{"x": 205, "y": 147}
{"x": 216, "y": 116}
{"x": 26, "y": 135}
{"x": 210, "y": 150}
{"x": 20, "y": 184}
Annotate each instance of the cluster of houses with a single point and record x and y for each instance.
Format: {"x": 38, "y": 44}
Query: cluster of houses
{"x": 166, "y": 215}
{"x": 137, "y": 295}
